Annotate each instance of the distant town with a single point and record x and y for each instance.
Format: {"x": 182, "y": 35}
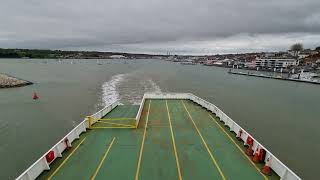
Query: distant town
{"x": 295, "y": 60}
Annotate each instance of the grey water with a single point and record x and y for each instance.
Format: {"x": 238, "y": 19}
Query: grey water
{"x": 283, "y": 116}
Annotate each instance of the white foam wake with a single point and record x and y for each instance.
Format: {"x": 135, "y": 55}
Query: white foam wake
{"x": 155, "y": 87}
{"x": 128, "y": 88}
{"x": 109, "y": 89}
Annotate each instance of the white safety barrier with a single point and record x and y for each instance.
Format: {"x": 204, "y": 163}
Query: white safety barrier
{"x": 41, "y": 164}
{"x": 158, "y": 96}
{"x": 98, "y": 115}
{"x": 140, "y": 111}
{"x": 282, "y": 170}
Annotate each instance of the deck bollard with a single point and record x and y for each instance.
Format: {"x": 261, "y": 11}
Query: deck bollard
{"x": 89, "y": 121}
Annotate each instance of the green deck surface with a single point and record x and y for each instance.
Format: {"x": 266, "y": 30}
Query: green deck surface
{"x": 159, "y": 159}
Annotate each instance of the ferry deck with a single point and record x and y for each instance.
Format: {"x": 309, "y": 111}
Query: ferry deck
{"x": 175, "y": 139}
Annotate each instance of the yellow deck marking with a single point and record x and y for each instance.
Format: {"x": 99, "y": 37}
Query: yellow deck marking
{"x": 142, "y": 143}
{"x": 116, "y": 119}
{"x": 103, "y": 158}
{"x": 119, "y": 124}
{"x": 159, "y": 126}
{"x": 256, "y": 167}
{"x": 115, "y": 127}
{"x": 205, "y": 144}
{"x": 174, "y": 143}
{"x": 66, "y": 159}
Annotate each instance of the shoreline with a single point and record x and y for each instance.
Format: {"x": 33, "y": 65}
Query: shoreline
{"x": 272, "y": 77}
{"x": 8, "y": 81}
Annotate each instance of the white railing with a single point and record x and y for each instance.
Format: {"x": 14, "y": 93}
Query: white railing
{"x": 160, "y": 96}
{"x": 98, "y": 115}
{"x": 140, "y": 111}
{"x": 282, "y": 170}
{"x": 41, "y": 164}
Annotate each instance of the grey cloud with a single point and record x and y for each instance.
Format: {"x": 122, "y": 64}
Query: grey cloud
{"x": 124, "y": 24}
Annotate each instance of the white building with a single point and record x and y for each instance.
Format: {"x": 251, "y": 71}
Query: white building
{"x": 276, "y": 63}
{"x": 302, "y": 55}
{"x": 250, "y": 64}
{"x": 117, "y": 57}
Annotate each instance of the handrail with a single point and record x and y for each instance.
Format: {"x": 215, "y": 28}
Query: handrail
{"x": 41, "y": 164}
{"x": 286, "y": 174}
{"x": 279, "y": 167}
{"x": 140, "y": 110}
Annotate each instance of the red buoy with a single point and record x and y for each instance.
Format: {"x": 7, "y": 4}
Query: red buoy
{"x": 35, "y": 96}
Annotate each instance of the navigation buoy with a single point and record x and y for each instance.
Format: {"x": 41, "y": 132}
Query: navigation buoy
{"x": 35, "y": 96}
{"x": 266, "y": 168}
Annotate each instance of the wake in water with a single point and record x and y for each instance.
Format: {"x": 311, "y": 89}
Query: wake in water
{"x": 128, "y": 88}
{"x": 109, "y": 91}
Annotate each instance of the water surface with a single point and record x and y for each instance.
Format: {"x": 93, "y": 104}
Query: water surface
{"x": 283, "y": 116}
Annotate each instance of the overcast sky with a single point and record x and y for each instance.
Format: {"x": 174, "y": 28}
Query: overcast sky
{"x": 158, "y": 26}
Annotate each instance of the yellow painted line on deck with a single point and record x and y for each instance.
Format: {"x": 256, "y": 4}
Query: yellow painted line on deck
{"x": 103, "y": 158}
{"x": 174, "y": 143}
{"x": 63, "y": 162}
{"x": 115, "y": 119}
{"x": 205, "y": 144}
{"x": 159, "y": 126}
{"x": 118, "y": 124}
{"x": 254, "y": 165}
{"x": 114, "y": 127}
{"x": 142, "y": 143}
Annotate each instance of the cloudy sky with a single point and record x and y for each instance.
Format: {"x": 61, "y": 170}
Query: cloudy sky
{"x": 158, "y": 26}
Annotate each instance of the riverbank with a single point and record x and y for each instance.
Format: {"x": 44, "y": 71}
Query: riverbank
{"x": 274, "y": 77}
{"x": 7, "y": 81}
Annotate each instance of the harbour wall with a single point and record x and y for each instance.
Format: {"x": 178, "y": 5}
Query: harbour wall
{"x": 273, "y": 77}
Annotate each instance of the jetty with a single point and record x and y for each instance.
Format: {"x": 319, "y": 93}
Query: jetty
{"x": 7, "y": 81}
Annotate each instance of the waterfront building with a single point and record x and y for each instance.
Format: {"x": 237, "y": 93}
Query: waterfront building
{"x": 276, "y": 63}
